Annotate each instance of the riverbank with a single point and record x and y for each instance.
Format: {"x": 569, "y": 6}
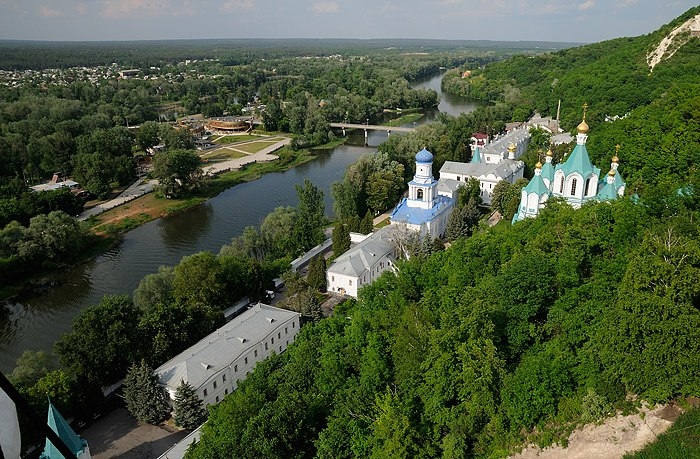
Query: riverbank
{"x": 135, "y": 213}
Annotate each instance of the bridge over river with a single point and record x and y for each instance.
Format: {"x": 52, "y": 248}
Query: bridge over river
{"x": 372, "y": 127}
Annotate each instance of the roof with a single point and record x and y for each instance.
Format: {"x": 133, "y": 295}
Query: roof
{"x": 578, "y": 161}
{"x": 448, "y": 185}
{"x": 476, "y": 156}
{"x": 548, "y": 171}
{"x": 418, "y": 216}
{"x": 222, "y": 347}
{"x": 500, "y": 144}
{"x": 608, "y": 193}
{"x": 537, "y": 186}
{"x": 424, "y": 156}
{"x": 362, "y": 257}
{"x": 503, "y": 169}
{"x": 59, "y": 425}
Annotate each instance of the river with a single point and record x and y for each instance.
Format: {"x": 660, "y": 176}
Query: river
{"x": 38, "y": 321}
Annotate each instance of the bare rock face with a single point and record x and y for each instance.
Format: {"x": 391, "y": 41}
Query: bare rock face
{"x": 674, "y": 41}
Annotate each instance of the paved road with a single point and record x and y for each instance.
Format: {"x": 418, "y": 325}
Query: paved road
{"x": 139, "y": 188}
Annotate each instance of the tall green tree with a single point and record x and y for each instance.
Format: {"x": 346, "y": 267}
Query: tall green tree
{"x": 317, "y": 273}
{"x": 103, "y": 341}
{"x": 145, "y": 399}
{"x": 310, "y": 217}
{"x": 179, "y": 172}
{"x": 189, "y": 412}
{"x": 341, "y": 239}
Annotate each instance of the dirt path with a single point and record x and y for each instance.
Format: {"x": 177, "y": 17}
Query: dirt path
{"x": 611, "y": 440}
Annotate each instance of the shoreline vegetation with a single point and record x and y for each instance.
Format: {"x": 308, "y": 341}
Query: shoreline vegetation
{"x": 108, "y": 227}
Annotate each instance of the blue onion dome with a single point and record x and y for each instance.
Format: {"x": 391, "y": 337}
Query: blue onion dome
{"x": 424, "y": 156}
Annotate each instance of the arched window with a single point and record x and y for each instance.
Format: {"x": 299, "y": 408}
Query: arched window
{"x": 573, "y": 187}
{"x": 561, "y": 185}
{"x": 585, "y": 190}
{"x": 419, "y": 194}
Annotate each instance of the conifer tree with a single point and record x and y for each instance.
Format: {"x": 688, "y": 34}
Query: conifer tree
{"x": 189, "y": 412}
{"x": 145, "y": 398}
{"x": 367, "y": 223}
{"x": 341, "y": 239}
{"x": 317, "y": 273}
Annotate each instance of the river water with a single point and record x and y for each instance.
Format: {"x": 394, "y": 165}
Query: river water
{"x": 38, "y": 321}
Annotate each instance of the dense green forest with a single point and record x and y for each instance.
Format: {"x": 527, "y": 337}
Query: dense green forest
{"x": 517, "y": 333}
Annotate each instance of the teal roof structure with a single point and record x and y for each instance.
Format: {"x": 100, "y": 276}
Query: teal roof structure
{"x": 59, "y": 425}
{"x": 548, "y": 172}
{"x": 578, "y": 161}
{"x": 476, "y": 156}
{"x": 608, "y": 193}
{"x": 536, "y": 186}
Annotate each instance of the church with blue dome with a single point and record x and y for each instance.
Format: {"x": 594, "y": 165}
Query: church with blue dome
{"x": 576, "y": 180}
{"x": 424, "y": 210}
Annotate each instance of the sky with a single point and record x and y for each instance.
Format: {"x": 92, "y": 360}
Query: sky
{"x": 582, "y": 21}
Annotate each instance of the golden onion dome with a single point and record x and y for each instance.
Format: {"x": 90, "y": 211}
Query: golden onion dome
{"x": 549, "y": 152}
{"x": 611, "y": 173}
{"x": 538, "y": 165}
{"x": 511, "y": 147}
{"x": 583, "y": 127}
{"x": 615, "y": 159}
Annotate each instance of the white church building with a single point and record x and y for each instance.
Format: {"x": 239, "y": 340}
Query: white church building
{"x": 576, "y": 180}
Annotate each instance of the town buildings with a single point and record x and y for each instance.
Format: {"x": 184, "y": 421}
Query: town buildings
{"x": 215, "y": 364}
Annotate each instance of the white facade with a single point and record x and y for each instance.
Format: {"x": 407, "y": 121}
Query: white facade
{"x": 215, "y": 364}
{"x": 361, "y": 264}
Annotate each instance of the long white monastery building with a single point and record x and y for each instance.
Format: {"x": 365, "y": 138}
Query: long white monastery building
{"x": 215, "y": 364}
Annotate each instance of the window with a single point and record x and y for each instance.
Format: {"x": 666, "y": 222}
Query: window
{"x": 287, "y": 343}
{"x": 205, "y": 392}
{"x": 279, "y": 335}
{"x": 285, "y": 330}
{"x": 561, "y": 185}
{"x": 256, "y": 353}
{"x": 273, "y": 340}
{"x": 419, "y": 194}
{"x": 223, "y": 378}
{"x": 214, "y": 384}
{"x": 217, "y": 399}
{"x": 280, "y": 348}
{"x": 332, "y": 278}
{"x": 246, "y": 360}
{"x": 573, "y": 187}
{"x": 235, "y": 368}
{"x": 585, "y": 190}
{"x": 459, "y": 178}
{"x": 350, "y": 282}
{"x": 293, "y": 324}
{"x": 225, "y": 391}
{"x": 265, "y": 346}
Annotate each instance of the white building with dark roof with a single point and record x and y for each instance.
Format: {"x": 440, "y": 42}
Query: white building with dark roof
{"x": 216, "y": 363}
{"x": 362, "y": 264}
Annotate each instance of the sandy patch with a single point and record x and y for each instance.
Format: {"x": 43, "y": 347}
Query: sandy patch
{"x": 616, "y": 437}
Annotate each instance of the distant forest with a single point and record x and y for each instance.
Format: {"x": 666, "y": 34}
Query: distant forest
{"x": 37, "y": 55}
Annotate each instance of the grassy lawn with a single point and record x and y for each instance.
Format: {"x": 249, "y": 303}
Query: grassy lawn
{"x": 253, "y": 147}
{"x": 228, "y": 139}
{"x": 223, "y": 154}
